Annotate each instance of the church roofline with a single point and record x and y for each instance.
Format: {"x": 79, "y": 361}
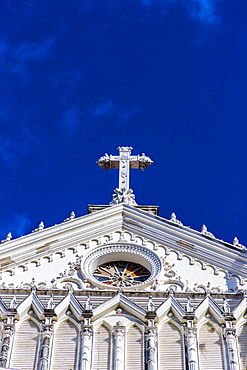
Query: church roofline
{"x": 123, "y": 217}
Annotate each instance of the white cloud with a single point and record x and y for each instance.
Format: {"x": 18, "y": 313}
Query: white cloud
{"x": 18, "y": 225}
{"x": 14, "y": 58}
{"x": 71, "y": 120}
{"x": 203, "y": 10}
{"x": 33, "y": 51}
{"x": 110, "y": 109}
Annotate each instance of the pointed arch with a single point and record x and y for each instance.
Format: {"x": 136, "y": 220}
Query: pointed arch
{"x": 135, "y": 349}
{"x": 171, "y": 349}
{"x": 65, "y": 349}
{"x": 242, "y": 343}
{"x": 210, "y": 347}
{"x": 26, "y": 346}
{"x": 102, "y": 348}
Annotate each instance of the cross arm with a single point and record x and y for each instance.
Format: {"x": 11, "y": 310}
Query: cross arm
{"x": 135, "y": 161}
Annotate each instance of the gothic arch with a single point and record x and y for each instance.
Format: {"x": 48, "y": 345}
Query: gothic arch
{"x": 170, "y": 346}
{"x": 26, "y": 344}
{"x": 213, "y": 321}
{"x": 104, "y": 323}
{"x": 63, "y": 320}
{"x": 102, "y": 344}
{"x": 138, "y": 324}
{"x": 135, "y": 347}
{"x": 35, "y": 320}
{"x": 211, "y": 349}
{"x": 66, "y": 341}
{"x": 172, "y": 321}
{"x": 242, "y": 345}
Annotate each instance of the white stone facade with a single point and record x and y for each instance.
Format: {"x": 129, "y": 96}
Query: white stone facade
{"x": 189, "y": 312}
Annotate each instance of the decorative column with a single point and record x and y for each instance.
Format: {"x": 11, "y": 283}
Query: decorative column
{"x": 191, "y": 347}
{"x": 151, "y": 348}
{"x": 8, "y": 332}
{"x": 87, "y": 334}
{"x": 45, "y": 348}
{"x": 230, "y": 336}
{"x": 191, "y": 338}
{"x": 232, "y": 350}
{"x": 151, "y": 338}
{"x": 119, "y": 331}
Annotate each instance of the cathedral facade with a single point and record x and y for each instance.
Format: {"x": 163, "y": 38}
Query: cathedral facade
{"x": 122, "y": 288}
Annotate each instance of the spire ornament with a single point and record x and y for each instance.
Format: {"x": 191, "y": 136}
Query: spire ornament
{"x": 124, "y": 162}
{"x": 205, "y": 231}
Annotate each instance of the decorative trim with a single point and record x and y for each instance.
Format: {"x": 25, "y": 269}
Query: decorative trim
{"x": 133, "y": 253}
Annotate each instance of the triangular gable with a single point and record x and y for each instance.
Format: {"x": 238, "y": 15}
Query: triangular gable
{"x": 241, "y": 309}
{"x": 31, "y": 303}
{"x": 69, "y": 303}
{"x": 164, "y": 232}
{"x": 3, "y": 308}
{"x": 209, "y": 306}
{"x": 59, "y": 245}
{"x": 119, "y": 300}
{"x": 170, "y": 305}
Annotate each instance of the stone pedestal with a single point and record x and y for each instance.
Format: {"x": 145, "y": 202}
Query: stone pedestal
{"x": 151, "y": 348}
{"x": 232, "y": 350}
{"x": 119, "y": 346}
{"x": 191, "y": 347}
{"x": 86, "y": 347}
{"x": 7, "y": 336}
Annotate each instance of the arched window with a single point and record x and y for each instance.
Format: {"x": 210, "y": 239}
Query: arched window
{"x": 26, "y": 345}
{"x": 170, "y": 348}
{"x": 242, "y": 342}
{"x": 102, "y": 348}
{"x": 135, "y": 349}
{"x": 65, "y": 347}
{"x": 210, "y": 348}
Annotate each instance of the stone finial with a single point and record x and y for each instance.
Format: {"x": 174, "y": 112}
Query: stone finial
{"x": 120, "y": 290}
{"x": 235, "y": 241}
{"x": 237, "y": 244}
{"x": 205, "y": 231}
{"x": 189, "y": 306}
{"x": 40, "y": 227}
{"x": 8, "y": 237}
{"x": 50, "y": 304}
{"x": 150, "y": 304}
{"x": 13, "y": 302}
{"x": 88, "y": 305}
{"x": 171, "y": 292}
{"x": 226, "y": 306}
{"x": 173, "y": 218}
{"x": 71, "y": 216}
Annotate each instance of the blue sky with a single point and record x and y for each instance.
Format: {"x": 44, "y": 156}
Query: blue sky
{"x": 80, "y": 78}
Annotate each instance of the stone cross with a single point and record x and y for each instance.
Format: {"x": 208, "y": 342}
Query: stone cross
{"x": 124, "y": 162}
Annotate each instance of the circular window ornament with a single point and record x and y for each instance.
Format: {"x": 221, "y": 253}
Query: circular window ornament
{"x": 121, "y": 266}
{"x": 121, "y": 274}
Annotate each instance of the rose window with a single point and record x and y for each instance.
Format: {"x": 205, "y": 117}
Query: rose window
{"x": 121, "y": 273}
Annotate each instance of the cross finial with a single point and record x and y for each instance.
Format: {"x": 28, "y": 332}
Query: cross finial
{"x": 124, "y": 162}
